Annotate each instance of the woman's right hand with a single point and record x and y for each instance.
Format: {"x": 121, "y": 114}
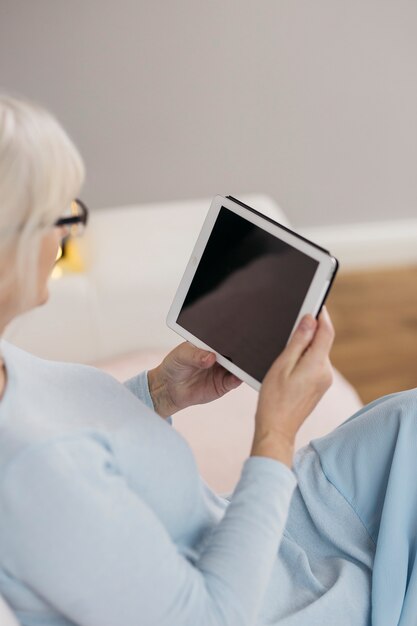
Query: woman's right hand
{"x": 292, "y": 387}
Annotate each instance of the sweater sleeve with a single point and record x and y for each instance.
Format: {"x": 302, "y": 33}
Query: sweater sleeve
{"x": 75, "y": 532}
{"x": 139, "y": 386}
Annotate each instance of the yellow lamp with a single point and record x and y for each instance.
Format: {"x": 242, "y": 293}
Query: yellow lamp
{"x": 69, "y": 260}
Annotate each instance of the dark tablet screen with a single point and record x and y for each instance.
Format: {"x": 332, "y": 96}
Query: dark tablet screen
{"x": 246, "y": 293}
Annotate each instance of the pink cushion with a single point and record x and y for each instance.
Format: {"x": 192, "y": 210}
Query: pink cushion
{"x": 220, "y": 433}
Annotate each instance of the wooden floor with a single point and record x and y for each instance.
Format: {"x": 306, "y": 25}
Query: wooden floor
{"x": 374, "y": 313}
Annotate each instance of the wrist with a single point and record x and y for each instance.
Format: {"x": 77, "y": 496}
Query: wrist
{"x": 157, "y": 390}
{"x": 274, "y": 444}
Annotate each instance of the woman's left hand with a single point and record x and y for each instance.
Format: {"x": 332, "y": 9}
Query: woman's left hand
{"x": 187, "y": 376}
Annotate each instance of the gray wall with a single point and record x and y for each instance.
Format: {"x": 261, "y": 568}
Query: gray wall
{"x": 313, "y": 102}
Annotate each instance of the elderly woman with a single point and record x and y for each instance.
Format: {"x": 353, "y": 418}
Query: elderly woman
{"x": 104, "y": 519}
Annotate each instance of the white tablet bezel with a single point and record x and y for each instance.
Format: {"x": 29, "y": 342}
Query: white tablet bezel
{"x": 312, "y": 302}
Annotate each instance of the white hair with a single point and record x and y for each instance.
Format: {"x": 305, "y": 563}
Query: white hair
{"x": 41, "y": 171}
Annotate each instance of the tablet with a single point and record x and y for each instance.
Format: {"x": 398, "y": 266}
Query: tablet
{"x": 247, "y": 284}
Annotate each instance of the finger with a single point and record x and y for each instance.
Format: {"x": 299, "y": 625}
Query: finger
{"x": 208, "y": 359}
{"x": 323, "y": 339}
{"x": 191, "y": 355}
{"x": 226, "y": 381}
{"x": 232, "y": 381}
{"x": 299, "y": 341}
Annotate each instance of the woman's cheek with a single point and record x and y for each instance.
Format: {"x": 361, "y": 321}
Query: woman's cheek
{"x": 49, "y": 251}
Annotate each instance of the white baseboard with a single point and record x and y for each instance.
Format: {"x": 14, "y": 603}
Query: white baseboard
{"x": 369, "y": 244}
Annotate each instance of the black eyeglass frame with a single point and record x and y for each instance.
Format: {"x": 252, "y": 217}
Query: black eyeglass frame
{"x": 75, "y": 219}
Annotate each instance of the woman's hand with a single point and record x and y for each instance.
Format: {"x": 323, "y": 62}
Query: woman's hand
{"x": 292, "y": 387}
{"x": 188, "y": 376}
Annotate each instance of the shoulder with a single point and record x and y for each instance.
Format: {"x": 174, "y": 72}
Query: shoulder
{"x": 27, "y": 371}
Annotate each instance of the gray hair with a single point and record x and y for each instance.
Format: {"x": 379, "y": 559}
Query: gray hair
{"x": 41, "y": 171}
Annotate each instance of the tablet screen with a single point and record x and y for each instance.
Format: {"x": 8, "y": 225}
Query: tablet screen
{"x": 246, "y": 293}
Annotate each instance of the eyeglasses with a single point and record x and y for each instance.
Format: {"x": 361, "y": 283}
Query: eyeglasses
{"x": 75, "y": 220}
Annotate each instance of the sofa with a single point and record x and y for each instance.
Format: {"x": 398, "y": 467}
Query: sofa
{"x": 108, "y": 310}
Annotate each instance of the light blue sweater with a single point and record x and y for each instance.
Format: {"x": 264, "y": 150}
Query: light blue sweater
{"x": 105, "y": 521}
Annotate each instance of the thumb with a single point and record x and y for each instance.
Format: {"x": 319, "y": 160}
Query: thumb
{"x": 198, "y": 357}
{"x": 299, "y": 341}
{"x": 205, "y": 359}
